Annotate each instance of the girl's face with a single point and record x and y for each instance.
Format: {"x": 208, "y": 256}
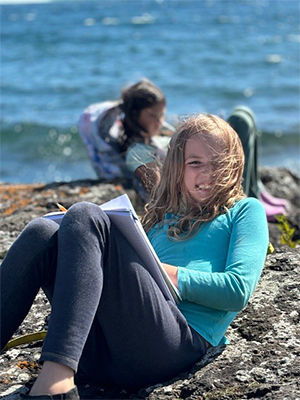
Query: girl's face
{"x": 152, "y": 118}
{"x": 198, "y": 170}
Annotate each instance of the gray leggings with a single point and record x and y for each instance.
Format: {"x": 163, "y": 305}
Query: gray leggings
{"x": 108, "y": 314}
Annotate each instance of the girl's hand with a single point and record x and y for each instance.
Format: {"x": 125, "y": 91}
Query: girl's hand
{"x": 149, "y": 175}
{"x": 171, "y": 270}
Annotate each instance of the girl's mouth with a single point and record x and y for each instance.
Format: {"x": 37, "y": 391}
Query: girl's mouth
{"x": 198, "y": 188}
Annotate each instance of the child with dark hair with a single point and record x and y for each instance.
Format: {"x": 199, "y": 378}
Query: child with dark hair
{"x": 143, "y": 105}
{"x": 125, "y": 138}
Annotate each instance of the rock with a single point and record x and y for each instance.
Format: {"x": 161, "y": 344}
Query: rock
{"x": 282, "y": 183}
{"x": 262, "y": 359}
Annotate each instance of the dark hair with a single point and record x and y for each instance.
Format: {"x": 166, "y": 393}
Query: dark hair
{"x": 134, "y": 98}
{"x": 143, "y": 94}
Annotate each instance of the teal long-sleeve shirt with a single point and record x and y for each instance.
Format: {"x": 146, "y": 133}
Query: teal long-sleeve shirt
{"x": 218, "y": 268}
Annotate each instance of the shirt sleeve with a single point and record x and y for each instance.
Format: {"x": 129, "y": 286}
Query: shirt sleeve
{"x": 139, "y": 154}
{"x": 231, "y": 289}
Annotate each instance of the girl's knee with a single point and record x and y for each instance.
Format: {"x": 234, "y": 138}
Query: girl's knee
{"x": 84, "y": 211}
{"x": 40, "y": 229}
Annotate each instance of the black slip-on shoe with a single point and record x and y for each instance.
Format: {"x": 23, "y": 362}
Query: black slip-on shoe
{"x": 70, "y": 395}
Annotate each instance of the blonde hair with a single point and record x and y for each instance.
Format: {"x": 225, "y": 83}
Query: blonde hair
{"x": 171, "y": 196}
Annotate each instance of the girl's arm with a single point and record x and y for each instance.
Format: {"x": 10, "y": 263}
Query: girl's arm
{"x": 171, "y": 270}
{"x": 140, "y": 160}
{"x": 231, "y": 289}
{"x": 149, "y": 175}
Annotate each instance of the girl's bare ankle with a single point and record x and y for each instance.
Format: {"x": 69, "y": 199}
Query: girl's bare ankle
{"x": 53, "y": 379}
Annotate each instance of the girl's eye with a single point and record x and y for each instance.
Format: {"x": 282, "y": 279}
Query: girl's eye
{"x": 195, "y": 163}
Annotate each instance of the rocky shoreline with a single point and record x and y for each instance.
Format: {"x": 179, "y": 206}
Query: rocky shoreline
{"x": 262, "y": 360}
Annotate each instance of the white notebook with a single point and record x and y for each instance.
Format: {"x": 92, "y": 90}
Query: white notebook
{"x": 122, "y": 214}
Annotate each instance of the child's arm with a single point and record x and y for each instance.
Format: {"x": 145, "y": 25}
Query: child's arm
{"x": 231, "y": 289}
{"x": 141, "y": 160}
{"x": 172, "y": 271}
{"x": 149, "y": 175}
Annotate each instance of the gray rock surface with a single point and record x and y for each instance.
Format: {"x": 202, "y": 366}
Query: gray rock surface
{"x": 262, "y": 360}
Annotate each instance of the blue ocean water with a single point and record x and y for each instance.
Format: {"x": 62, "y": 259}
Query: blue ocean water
{"x": 206, "y": 55}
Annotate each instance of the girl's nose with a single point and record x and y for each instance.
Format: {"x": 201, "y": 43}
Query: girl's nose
{"x": 160, "y": 118}
{"x": 206, "y": 168}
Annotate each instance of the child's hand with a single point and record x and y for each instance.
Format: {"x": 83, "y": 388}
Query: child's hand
{"x": 171, "y": 270}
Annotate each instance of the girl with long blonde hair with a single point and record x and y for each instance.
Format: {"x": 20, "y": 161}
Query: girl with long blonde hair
{"x": 109, "y": 315}
{"x": 226, "y": 163}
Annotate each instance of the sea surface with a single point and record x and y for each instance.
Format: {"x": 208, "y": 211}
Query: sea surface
{"x": 58, "y": 57}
